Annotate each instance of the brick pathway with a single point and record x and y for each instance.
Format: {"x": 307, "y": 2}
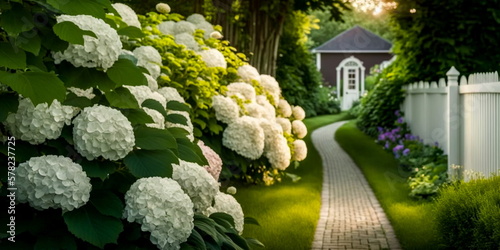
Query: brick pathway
{"x": 351, "y": 216}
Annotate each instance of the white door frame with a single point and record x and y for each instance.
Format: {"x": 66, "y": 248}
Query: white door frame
{"x": 349, "y": 70}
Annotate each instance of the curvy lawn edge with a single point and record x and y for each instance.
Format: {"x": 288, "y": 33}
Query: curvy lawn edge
{"x": 288, "y": 212}
{"x": 413, "y": 220}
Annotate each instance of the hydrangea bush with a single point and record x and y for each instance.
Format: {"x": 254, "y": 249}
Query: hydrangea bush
{"x": 103, "y": 115}
{"x": 233, "y": 104}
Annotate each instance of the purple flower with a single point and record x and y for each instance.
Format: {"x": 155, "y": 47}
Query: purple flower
{"x": 406, "y": 152}
{"x": 380, "y": 129}
{"x": 400, "y": 120}
{"x": 397, "y": 113}
{"x": 386, "y": 145}
{"x": 398, "y": 148}
{"x": 436, "y": 144}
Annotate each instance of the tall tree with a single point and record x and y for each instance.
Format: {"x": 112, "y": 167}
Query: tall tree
{"x": 255, "y": 26}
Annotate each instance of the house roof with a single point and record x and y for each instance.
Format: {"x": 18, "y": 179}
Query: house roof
{"x": 355, "y": 40}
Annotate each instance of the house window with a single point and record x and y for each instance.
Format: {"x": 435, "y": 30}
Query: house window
{"x": 351, "y": 79}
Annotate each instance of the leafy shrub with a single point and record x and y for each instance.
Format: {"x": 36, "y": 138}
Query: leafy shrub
{"x": 380, "y": 104}
{"x": 425, "y": 164}
{"x": 468, "y": 214}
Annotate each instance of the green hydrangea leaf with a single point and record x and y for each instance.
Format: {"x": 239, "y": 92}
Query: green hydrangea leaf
{"x": 16, "y": 20}
{"x": 97, "y": 169}
{"x": 195, "y": 241}
{"x": 154, "y": 139}
{"x": 10, "y": 103}
{"x": 125, "y": 72}
{"x": 191, "y": 152}
{"x": 149, "y": 163}
{"x": 177, "y": 118}
{"x": 121, "y": 98}
{"x": 40, "y": 87}
{"x": 29, "y": 42}
{"x": 179, "y": 106}
{"x": 131, "y": 32}
{"x": 91, "y": 226}
{"x": 156, "y": 105}
{"x": 71, "y": 33}
{"x": 88, "y": 7}
{"x": 77, "y": 101}
{"x": 84, "y": 78}
{"x": 107, "y": 203}
{"x": 11, "y": 56}
{"x": 137, "y": 116}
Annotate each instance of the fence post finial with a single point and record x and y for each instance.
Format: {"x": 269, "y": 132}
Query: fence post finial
{"x": 452, "y": 76}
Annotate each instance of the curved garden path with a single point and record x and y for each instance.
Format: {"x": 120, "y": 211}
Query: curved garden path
{"x": 351, "y": 217}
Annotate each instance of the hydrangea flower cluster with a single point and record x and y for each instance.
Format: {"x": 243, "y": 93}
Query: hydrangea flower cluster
{"x": 37, "y": 124}
{"x": 87, "y": 93}
{"x": 127, "y": 14}
{"x": 276, "y": 146}
{"x": 142, "y": 93}
{"x": 299, "y": 150}
{"x": 284, "y": 108}
{"x": 298, "y": 113}
{"x": 214, "y": 161}
{"x": 197, "y": 183}
{"x": 247, "y": 73}
{"x": 149, "y": 58}
{"x": 226, "y": 110}
{"x": 225, "y": 203}
{"x": 163, "y": 8}
{"x": 241, "y": 89}
{"x": 102, "y": 131}
{"x": 52, "y": 181}
{"x": 171, "y": 94}
{"x": 213, "y": 58}
{"x": 158, "y": 118}
{"x": 102, "y": 51}
{"x": 162, "y": 208}
{"x": 245, "y": 137}
{"x": 299, "y": 129}
{"x": 272, "y": 86}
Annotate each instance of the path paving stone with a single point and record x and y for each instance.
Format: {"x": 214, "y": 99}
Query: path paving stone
{"x": 350, "y": 217}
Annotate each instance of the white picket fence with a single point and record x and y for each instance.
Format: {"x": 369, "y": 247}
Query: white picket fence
{"x": 462, "y": 117}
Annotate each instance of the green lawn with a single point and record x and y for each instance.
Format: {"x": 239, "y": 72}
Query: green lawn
{"x": 288, "y": 212}
{"x": 412, "y": 220}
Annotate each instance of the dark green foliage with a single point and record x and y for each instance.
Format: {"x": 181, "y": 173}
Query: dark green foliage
{"x": 468, "y": 214}
{"x": 441, "y": 34}
{"x": 380, "y": 105}
{"x": 300, "y": 81}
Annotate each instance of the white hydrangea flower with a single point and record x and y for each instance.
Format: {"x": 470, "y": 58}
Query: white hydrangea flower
{"x": 272, "y": 86}
{"x": 167, "y": 27}
{"x": 231, "y": 190}
{"x": 247, "y": 73}
{"x": 171, "y": 94}
{"x": 245, "y": 136}
{"x": 128, "y": 14}
{"x": 213, "y": 58}
{"x": 189, "y": 127}
{"x": 216, "y": 35}
{"x": 276, "y": 146}
{"x": 149, "y": 58}
{"x": 142, "y": 93}
{"x": 37, "y": 124}
{"x": 184, "y": 27}
{"x": 255, "y": 110}
{"x": 270, "y": 111}
{"x": 187, "y": 40}
{"x": 162, "y": 208}
{"x": 87, "y": 93}
{"x": 158, "y": 118}
{"x": 103, "y": 131}
{"x": 197, "y": 183}
{"x": 207, "y": 28}
{"x": 163, "y": 8}
{"x": 298, "y": 113}
{"x": 214, "y": 161}
{"x": 225, "y": 203}
{"x": 152, "y": 83}
{"x": 226, "y": 110}
{"x": 299, "y": 129}
{"x": 285, "y": 124}
{"x": 52, "y": 181}
{"x": 299, "y": 150}
{"x": 243, "y": 88}
{"x": 102, "y": 51}
{"x": 284, "y": 109}
{"x": 195, "y": 18}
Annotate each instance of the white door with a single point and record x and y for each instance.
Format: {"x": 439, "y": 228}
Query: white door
{"x": 351, "y": 86}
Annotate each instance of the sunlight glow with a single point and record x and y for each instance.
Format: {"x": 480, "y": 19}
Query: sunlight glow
{"x": 376, "y": 7}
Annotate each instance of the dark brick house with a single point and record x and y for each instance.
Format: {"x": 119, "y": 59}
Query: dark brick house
{"x": 348, "y": 57}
